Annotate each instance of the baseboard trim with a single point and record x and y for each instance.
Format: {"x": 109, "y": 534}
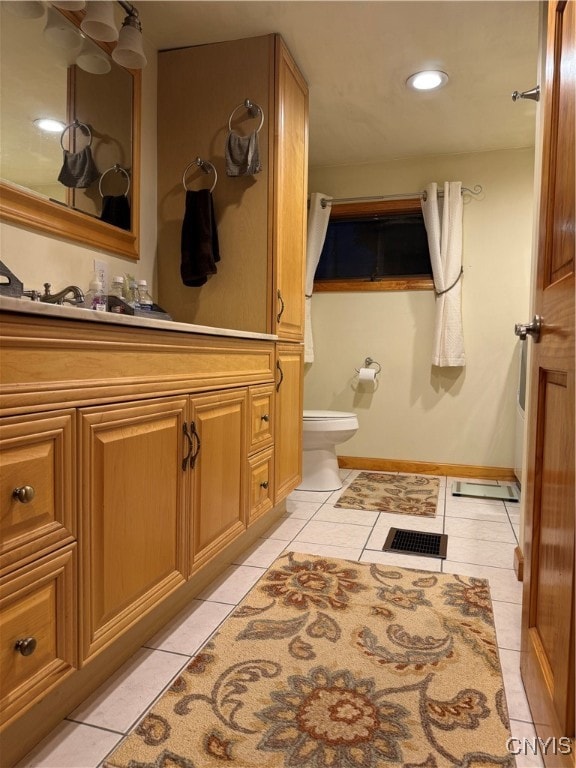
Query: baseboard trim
{"x": 519, "y": 564}
{"x": 426, "y": 468}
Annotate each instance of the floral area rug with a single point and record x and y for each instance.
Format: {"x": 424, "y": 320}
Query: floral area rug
{"x": 403, "y": 494}
{"x": 336, "y": 664}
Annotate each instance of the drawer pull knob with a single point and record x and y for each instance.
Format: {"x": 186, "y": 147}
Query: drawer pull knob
{"x": 264, "y": 484}
{"x": 265, "y": 417}
{"x": 26, "y": 646}
{"x": 24, "y": 494}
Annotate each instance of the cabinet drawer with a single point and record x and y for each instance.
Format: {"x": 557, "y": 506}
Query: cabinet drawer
{"x": 260, "y": 484}
{"x": 35, "y": 460}
{"x": 261, "y": 418}
{"x": 38, "y": 619}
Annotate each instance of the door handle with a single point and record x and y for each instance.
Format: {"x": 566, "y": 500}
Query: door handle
{"x": 282, "y": 306}
{"x": 529, "y": 329}
{"x": 281, "y": 372}
{"x": 196, "y": 437}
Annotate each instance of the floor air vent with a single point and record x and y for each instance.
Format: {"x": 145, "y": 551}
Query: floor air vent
{"x": 416, "y": 543}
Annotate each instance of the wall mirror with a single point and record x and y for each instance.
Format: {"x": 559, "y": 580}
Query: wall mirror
{"x": 50, "y": 69}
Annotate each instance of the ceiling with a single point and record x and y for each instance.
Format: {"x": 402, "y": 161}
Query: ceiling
{"x": 356, "y": 56}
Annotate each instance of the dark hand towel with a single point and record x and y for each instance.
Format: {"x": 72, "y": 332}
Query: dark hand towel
{"x": 78, "y": 169}
{"x": 116, "y": 211}
{"x": 242, "y": 155}
{"x": 199, "y": 243}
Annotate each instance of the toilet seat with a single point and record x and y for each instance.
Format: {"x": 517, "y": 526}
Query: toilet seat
{"x": 316, "y": 415}
{"x": 329, "y": 421}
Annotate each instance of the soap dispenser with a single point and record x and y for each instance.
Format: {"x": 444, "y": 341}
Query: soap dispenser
{"x": 95, "y": 297}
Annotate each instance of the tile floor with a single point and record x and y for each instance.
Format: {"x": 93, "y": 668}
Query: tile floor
{"x": 482, "y": 535}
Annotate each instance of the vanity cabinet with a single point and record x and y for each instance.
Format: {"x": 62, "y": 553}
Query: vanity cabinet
{"x": 133, "y": 514}
{"x": 289, "y": 409}
{"x": 260, "y": 218}
{"x": 152, "y": 455}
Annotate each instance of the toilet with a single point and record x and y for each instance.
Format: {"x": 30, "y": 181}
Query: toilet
{"x": 322, "y": 432}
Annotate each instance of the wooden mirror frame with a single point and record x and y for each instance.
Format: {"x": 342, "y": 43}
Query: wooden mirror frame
{"x": 25, "y": 209}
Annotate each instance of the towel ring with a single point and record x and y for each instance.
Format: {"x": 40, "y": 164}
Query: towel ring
{"x": 117, "y": 169}
{"x": 254, "y": 110}
{"x": 76, "y": 124}
{"x": 206, "y": 166}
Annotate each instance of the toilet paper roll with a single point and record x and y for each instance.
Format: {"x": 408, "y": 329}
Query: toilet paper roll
{"x": 367, "y": 374}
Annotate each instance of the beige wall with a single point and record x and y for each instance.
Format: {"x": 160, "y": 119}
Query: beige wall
{"x": 417, "y": 412}
{"x": 36, "y": 259}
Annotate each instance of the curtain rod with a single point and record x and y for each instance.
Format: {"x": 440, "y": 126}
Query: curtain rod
{"x": 325, "y": 201}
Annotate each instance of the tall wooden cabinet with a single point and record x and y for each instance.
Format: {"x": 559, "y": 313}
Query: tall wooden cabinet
{"x": 261, "y": 218}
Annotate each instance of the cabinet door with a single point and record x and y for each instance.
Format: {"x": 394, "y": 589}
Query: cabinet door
{"x": 219, "y": 440}
{"x": 288, "y": 436}
{"x": 38, "y": 643}
{"x": 36, "y": 485}
{"x": 133, "y": 516}
{"x": 290, "y": 187}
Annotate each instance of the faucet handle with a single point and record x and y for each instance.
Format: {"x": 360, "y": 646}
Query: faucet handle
{"x": 47, "y": 287}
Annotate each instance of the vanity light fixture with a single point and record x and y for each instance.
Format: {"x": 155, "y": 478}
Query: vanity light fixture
{"x": 427, "y": 80}
{"x": 99, "y": 21}
{"x": 92, "y": 59}
{"x": 129, "y": 51}
{"x": 49, "y": 125}
{"x": 58, "y": 32}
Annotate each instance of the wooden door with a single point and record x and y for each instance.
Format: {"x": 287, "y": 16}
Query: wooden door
{"x": 547, "y": 660}
{"x": 290, "y": 190}
{"x": 288, "y": 416}
{"x": 133, "y": 514}
{"x": 218, "y": 470}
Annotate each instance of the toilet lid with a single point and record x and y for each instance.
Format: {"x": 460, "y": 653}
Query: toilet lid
{"x": 318, "y": 415}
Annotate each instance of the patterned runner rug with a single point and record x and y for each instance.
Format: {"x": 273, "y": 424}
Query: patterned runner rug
{"x": 403, "y": 494}
{"x": 336, "y": 664}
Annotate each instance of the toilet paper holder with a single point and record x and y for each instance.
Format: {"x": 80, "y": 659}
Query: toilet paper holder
{"x": 368, "y": 362}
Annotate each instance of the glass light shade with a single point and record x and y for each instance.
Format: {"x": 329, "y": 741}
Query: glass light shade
{"x": 129, "y": 51}
{"x": 99, "y": 22}
{"x": 69, "y": 5}
{"x": 27, "y": 9}
{"x": 93, "y": 59}
{"x": 60, "y": 32}
{"x": 427, "y": 80}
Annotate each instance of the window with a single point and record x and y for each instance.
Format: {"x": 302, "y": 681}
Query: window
{"x": 375, "y": 246}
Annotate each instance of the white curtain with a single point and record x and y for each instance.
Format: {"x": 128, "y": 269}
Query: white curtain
{"x": 443, "y": 221}
{"x": 317, "y": 226}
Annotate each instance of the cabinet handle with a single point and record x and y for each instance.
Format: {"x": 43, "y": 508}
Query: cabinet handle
{"x": 26, "y": 646}
{"x": 265, "y": 417}
{"x": 264, "y": 484}
{"x": 281, "y": 300}
{"x": 24, "y": 494}
{"x": 190, "y": 446}
{"x": 279, "y": 369}
{"x": 197, "y": 439}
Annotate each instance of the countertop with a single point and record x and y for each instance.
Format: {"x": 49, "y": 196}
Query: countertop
{"x": 26, "y": 306}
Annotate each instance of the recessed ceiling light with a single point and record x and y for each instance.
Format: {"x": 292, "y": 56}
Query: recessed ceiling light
{"x": 427, "y": 80}
{"x": 50, "y": 125}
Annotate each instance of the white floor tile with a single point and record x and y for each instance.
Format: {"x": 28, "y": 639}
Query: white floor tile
{"x": 494, "y": 553}
{"x": 71, "y": 745}
{"x": 302, "y": 509}
{"x": 476, "y": 509}
{"x": 479, "y": 529}
{"x": 329, "y": 513}
{"x": 507, "y": 619}
{"x": 518, "y": 708}
{"x": 232, "y": 585}
{"x": 262, "y": 553}
{"x": 404, "y": 561}
{"x": 503, "y": 582}
{"x": 286, "y": 528}
{"x": 317, "y": 497}
{"x": 120, "y": 701}
{"x": 191, "y": 628}
{"x": 325, "y": 550}
{"x": 524, "y": 747}
{"x": 334, "y": 534}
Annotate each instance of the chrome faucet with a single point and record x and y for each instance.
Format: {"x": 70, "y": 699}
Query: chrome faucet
{"x": 62, "y": 297}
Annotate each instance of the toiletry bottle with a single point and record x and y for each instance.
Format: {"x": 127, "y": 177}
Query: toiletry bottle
{"x": 95, "y": 297}
{"x": 144, "y": 299}
{"x": 117, "y": 287}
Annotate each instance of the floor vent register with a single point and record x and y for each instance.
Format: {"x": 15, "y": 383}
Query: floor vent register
{"x": 416, "y": 543}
